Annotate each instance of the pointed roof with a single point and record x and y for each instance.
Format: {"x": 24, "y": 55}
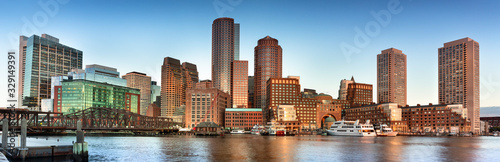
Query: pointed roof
{"x": 352, "y": 78}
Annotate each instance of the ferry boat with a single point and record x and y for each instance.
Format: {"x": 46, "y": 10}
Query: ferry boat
{"x": 351, "y": 128}
{"x": 385, "y": 131}
{"x": 238, "y": 131}
{"x": 256, "y": 129}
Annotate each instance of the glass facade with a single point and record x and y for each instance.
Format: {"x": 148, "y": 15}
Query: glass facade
{"x": 46, "y": 57}
{"x": 82, "y": 94}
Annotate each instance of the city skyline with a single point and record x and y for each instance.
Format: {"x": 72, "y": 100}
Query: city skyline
{"x": 422, "y": 81}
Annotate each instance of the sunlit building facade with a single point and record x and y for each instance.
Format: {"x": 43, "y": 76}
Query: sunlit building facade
{"x": 391, "y": 77}
{"x": 225, "y": 45}
{"x": 268, "y": 64}
{"x": 142, "y": 82}
{"x": 459, "y": 77}
{"x": 239, "y": 84}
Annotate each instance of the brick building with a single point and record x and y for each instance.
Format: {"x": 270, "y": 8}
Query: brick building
{"x": 243, "y": 118}
{"x": 359, "y": 94}
{"x": 436, "y": 118}
{"x": 492, "y": 121}
{"x": 204, "y": 103}
{"x": 386, "y": 113}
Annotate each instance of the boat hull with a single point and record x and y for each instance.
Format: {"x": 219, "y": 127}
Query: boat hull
{"x": 354, "y": 134}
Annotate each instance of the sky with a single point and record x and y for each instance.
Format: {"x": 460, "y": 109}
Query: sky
{"x": 323, "y": 41}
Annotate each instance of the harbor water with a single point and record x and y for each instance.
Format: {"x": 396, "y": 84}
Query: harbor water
{"x": 246, "y": 147}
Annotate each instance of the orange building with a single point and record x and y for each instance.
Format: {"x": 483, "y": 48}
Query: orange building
{"x": 243, "y": 118}
{"x": 205, "y": 103}
{"x": 436, "y": 118}
{"x": 239, "y": 84}
{"x": 391, "y": 77}
{"x": 268, "y": 58}
{"x": 386, "y": 113}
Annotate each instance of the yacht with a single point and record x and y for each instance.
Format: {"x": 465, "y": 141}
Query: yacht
{"x": 238, "y": 131}
{"x": 256, "y": 129}
{"x": 385, "y": 131}
{"x": 351, "y": 128}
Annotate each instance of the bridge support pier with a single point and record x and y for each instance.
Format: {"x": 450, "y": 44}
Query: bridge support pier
{"x": 24, "y": 129}
{"x": 80, "y": 147}
{"x": 5, "y": 133}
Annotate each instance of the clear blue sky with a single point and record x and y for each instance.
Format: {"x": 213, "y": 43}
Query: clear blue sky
{"x": 137, "y": 35}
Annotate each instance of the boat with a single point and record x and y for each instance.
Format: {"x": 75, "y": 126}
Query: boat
{"x": 238, "y": 131}
{"x": 385, "y": 131}
{"x": 256, "y": 129}
{"x": 351, "y": 128}
{"x": 274, "y": 129}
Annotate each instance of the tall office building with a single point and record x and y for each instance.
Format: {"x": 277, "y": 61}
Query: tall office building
{"x": 236, "y": 41}
{"x": 343, "y": 88}
{"x": 23, "y": 41}
{"x": 224, "y": 42}
{"x": 391, "y": 77}
{"x": 268, "y": 58}
{"x": 459, "y": 77}
{"x": 175, "y": 78}
{"x": 142, "y": 82}
{"x": 43, "y": 57}
{"x": 239, "y": 84}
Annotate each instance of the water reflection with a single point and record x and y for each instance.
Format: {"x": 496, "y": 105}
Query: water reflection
{"x": 299, "y": 148}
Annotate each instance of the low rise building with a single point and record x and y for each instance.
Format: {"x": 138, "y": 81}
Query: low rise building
{"x": 243, "y": 118}
{"x": 386, "y": 113}
{"x": 447, "y": 118}
{"x": 205, "y": 103}
{"x": 492, "y": 121}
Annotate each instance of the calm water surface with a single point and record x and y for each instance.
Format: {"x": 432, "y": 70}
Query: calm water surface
{"x": 294, "y": 148}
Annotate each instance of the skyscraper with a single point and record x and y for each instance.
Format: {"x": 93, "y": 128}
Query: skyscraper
{"x": 171, "y": 86}
{"x": 23, "y": 41}
{"x": 175, "y": 79}
{"x": 239, "y": 84}
{"x": 459, "y": 77}
{"x": 391, "y": 77}
{"x": 224, "y": 43}
{"x": 44, "y": 57}
{"x": 142, "y": 82}
{"x": 268, "y": 58}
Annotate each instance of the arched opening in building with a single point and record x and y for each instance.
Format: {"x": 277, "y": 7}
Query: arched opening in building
{"x": 327, "y": 121}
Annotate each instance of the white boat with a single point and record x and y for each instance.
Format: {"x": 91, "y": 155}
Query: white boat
{"x": 256, "y": 129}
{"x": 238, "y": 131}
{"x": 274, "y": 129}
{"x": 385, "y": 131}
{"x": 351, "y": 128}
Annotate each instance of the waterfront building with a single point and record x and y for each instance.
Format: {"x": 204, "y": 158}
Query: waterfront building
{"x": 40, "y": 58}
{"x": 225, "y": 38}
{"x": 239, "y": 84}
{"x": 391, "y": 77}
{"x": 287, "y": 116}
{"x": 492, "y": 121}
{"x": 205, "y": 103}
{"x": 359, "y": 94}
{"x": 142, "y": 82}
{"x": 268, "y": 64}
{"x": 386, "y": 113}
{"x": 327, "y": 109}
{"x": 243, "y": 118}
{"x": 287, "y": 91}
{"x": 343, "y": 88}
{"x": 155, "y": 91}
{"x": 436, "y": 118}
{"x": 79, "y": 94}
{"x": 309, "y": 93}
{"x": 459, "y": 77}
{"x": 175, "y": 78}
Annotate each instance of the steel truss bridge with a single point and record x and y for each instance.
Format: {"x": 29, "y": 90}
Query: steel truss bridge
{"x": 95, "y": 118}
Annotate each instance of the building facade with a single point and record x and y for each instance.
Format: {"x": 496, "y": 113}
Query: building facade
{"x": 175, "y": 78}
{"x": 41, "y": 58}
{"x": 391, "y": 77}
{"x": 239, "y": 84}
{"x": 79, "y": 94}
{"x": 250, "y": 91}
{"x": 386, "y": 113}
{"x": 436, "y": 118}
{"x": 459, "y": 77}
{"x": 492, "y": 121}
{"x": 224, "y": 42}
{"x": 205, "y": 103}
{"x": 243, "y": 118}
{"x": 268, "y": 64}
{"x": 142, "y": 82}
{"x": 103, "y": 74}
{"x": 344, "y": 83}
{"x": 359, "y": 94}
{"x": 155, "y": 91}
